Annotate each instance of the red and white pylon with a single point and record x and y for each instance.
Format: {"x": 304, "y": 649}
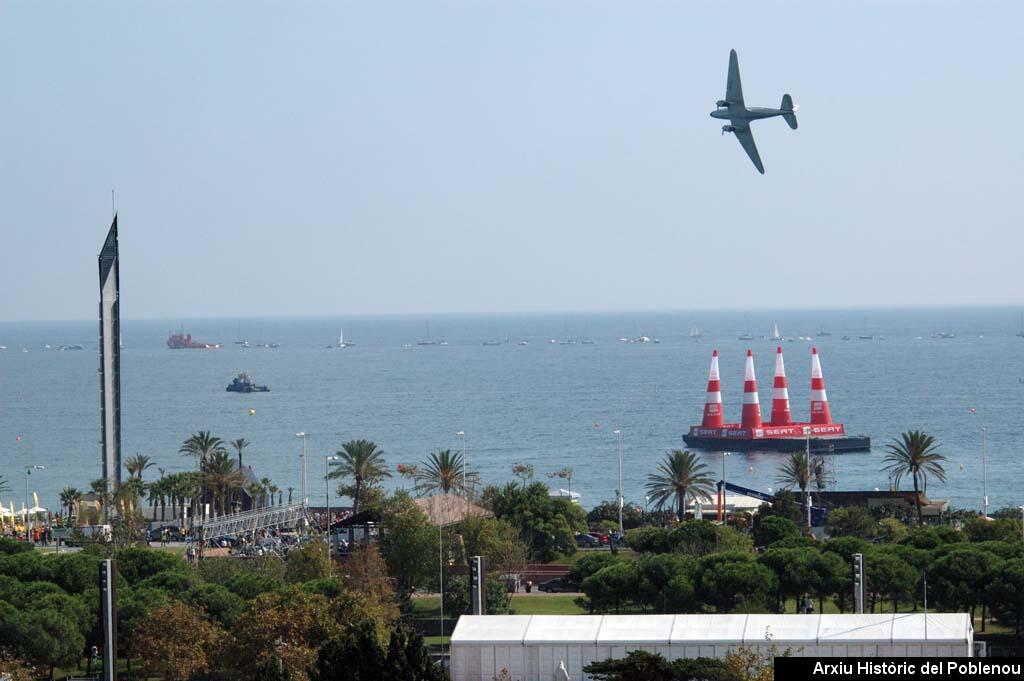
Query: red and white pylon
{"x": 713, "y": 402}
{"x": 781, "y": 415}
{"x": 819, "y": 401}
{"x": 751, "y": 404}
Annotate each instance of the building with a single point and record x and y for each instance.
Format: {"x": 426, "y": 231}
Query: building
{"x": 905, "y": 499}
{"x": 110, "y": 359}
{"x": 536, "y": 647}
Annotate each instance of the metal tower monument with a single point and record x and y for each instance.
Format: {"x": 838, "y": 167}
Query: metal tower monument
{"x": 110, "y": 360}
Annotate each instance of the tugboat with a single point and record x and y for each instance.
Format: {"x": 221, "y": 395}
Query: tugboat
{"x": 183, "y": 341}
{"x": 243, "y": 384}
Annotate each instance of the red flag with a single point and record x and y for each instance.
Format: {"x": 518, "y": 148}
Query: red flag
{"x": 17, "y": 438}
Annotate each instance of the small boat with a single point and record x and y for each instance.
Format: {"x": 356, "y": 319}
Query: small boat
{"x": 824, "y": 333}
{"x": 341, "y": 341}
{"x": 775, "y": 333}
{"x": 694, "y": 332}
{"x": 1020, "y": 334}
{"x": 492, "y": 343}
{"x": 444, "y": 342}
{"x": 3, "y": 347}
{"x": 845, "y": 338}
{"x": 865, "y": 337}
{"x": 523, "y": 342}
{"x": 587, "y": 341}
{"x": 72, "y": 347}
{"x": 243, "y": 383}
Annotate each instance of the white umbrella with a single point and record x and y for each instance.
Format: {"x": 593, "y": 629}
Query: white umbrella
{"x": 37, "y": 509}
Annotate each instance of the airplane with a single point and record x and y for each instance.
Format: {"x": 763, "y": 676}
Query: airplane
{"x": 739, "y": 116}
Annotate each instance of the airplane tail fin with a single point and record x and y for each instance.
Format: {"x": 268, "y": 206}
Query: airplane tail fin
{"x": 788, "y": 111}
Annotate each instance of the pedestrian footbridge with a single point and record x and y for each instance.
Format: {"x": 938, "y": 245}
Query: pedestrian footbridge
{"x": 252, "y": 521}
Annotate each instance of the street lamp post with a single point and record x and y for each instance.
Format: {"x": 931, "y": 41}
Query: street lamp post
{"x": 721, "y": 493}
{"x": 28, "y": 471}
{"x": 305, "y": 499}
{"x": 807, "y": 455}
{"x": 618, "y": 453}
{"x": 327, "y": 488}
{"x": 465, "y": 489}
{"x": 984, "y": 474}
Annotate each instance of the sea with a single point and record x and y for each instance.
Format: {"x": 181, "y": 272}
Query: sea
{"x": 524, "y": 399}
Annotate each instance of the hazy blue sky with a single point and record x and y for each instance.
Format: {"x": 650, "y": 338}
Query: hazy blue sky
{"x": 305, "y": 158}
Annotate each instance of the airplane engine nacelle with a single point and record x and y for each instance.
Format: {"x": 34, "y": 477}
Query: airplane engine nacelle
{"x": 728, "y": 128}
{"x": 720, "y": 103}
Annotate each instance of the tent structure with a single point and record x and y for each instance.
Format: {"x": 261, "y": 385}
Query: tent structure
{"x": 533, "y": 648}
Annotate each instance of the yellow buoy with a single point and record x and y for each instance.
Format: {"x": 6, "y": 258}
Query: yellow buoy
{"x": 252, "y": 412}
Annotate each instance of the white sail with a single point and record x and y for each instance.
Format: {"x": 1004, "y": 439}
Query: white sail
{"x": 775, "y": 332}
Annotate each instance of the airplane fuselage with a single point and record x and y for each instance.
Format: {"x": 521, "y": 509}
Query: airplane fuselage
{"x": 754, "y": 113}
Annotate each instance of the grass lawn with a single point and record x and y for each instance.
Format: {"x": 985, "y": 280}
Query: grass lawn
{"x": 429, "y": 607}
{"x": 569, "y": 560}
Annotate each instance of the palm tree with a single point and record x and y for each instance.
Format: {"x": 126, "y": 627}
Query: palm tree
{"x": 290, "y": 490}
{"x": 680, "y": 475}
{"x": 240, "y": 444}
{"x": 69, "y": 498}
{"x": 795, "y": 473}
{"x": 361, "y": 461}
{"x": 255, "y": 491}
{"x": 4, "y": 486}
{"x": 128, "y": 494}
{"x": 274, "y": 489}
{"x": 265, "y": 485}
{"x": 202, "y": 445}
{"x": 221, "y": 476}
{"x": 443, "y": 472}
{"x": 914, "y": 453}
{"x": 158, "y": 492}
{"x": 137, "y": 464}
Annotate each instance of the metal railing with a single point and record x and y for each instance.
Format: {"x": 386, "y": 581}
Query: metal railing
{"x": 251, "y": 521}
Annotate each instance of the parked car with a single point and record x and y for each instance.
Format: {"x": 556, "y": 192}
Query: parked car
{"x": 585, "y": 541}
{"x": 559, "y": 584}
{"x": 600, "y": 536}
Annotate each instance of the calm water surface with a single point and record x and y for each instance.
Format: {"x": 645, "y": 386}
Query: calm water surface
{"x": 547, "y": 404}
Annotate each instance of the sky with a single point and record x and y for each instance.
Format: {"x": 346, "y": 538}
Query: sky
{"x": 487, "y": 157}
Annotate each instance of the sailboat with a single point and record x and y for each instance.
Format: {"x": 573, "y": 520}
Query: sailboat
{"x": 1020, "y": 334}
{"x": 695, "y": 332}
{"x": 747, "y": 336}
{"x": 428, "y": 340}
{"x": 341, "y": 341}
{"x": 775, "y": 333}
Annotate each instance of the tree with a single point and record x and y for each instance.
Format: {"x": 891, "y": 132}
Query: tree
{"x": 240, "y": 444}
{"x": 289, "y": 625}
{"x": 640, "y": 665}
{"x": 566, "y": 474}
{"x": 665, "y": 582}
{"x": 959, "y": 579}
{"x": 48, "y": 637}
{"x": 632, "y": 515}
{"x": 680, "y": 476}
{"x": 217, "y": 601}
{"x": 794, "y": 571}
{"x": 591, "y": 563}
{"x": 734, "y": 582}
{"x": 795, "y": 472}
{"x": 362, "y": 461}
{"x": 177, "y": 641}
{"x": 69, "y": 499}
{"x": 221, "y": 477}
{"x": 523, "y": 471}
{"x": 612, "y": 587}
{"x": 495, "y": 540}
{"x": 851, "y": 521}
{"x": 890, "y": 576}
{"x": 408, "y": 543}
{"x": 544, "y": 523}
{"x": 695, "y": 538}
{"x": 407, "y": 658}
{"x": 650, "y": 540}
{"x": 915, "y": 454}
{"x": 774, "y": 528}
{"x": 307, "y": 561}
{"x": 202, "y": 445}
{"x": 355, "y": 655}
{"x": 137, "y": 465}
{"x": 443, "y": 472}
{"x": 1006, "y": 593}
{"x": 458, "y": 600}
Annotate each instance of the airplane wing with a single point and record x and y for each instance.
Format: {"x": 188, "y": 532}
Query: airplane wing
{"x": 733, "y": 88}
{"x": 746, "y": 138}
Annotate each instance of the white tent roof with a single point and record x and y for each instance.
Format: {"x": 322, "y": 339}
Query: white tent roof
{"x": 707, "y": 629}
{"x": 652, "y": 629}
{"x": 563, "y": 629}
